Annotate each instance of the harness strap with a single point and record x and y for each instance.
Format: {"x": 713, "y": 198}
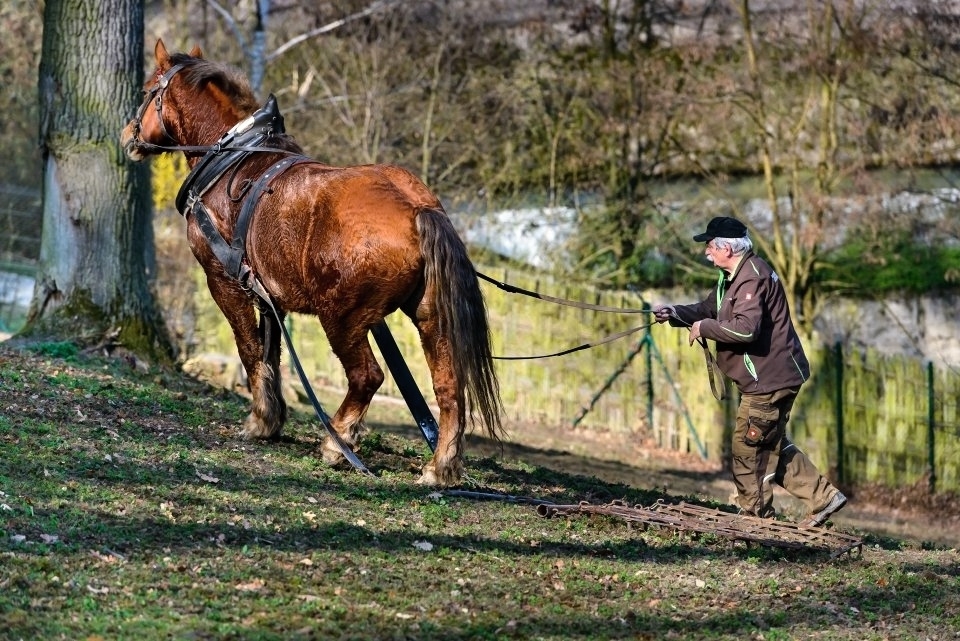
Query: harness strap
{"x": 260, "y": 187}
{"x": 602, "y": 341}
{"x": 257, "y": 288}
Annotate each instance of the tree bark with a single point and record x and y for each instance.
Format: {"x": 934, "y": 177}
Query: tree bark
{"x": 97, "y": 252}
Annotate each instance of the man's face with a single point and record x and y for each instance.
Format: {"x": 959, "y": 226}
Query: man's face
{"x": 722, "y": 257}
{"x": 710, "y": 251}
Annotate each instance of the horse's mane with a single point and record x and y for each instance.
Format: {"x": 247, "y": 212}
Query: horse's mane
{"x": 197, "y": 71}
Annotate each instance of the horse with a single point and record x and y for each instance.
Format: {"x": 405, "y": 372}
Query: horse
{"x": 349, "y": 245}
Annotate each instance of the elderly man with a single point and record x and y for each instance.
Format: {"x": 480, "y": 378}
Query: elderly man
{"x": 757, "y": 346}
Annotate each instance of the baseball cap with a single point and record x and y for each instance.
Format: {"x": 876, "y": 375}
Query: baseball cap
{"x": 722, "y": 227}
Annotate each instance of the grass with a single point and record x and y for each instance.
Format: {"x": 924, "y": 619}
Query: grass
{"x": 129, "y": 510}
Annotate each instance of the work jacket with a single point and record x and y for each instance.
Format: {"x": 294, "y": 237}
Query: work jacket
{"x": 748, "y": 317}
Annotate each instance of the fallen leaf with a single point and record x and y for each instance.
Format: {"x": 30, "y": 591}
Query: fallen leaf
{"x": 93, "y": 590}
{"x": 252, "y": 586}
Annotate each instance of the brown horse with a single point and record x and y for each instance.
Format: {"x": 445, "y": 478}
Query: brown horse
{"x": 347, "y": 244}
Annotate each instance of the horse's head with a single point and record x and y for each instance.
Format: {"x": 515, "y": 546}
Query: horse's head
{"x": 151, "y": 128}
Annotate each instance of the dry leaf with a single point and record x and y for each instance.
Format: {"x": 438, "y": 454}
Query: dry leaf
{"x": 252, "y": 586}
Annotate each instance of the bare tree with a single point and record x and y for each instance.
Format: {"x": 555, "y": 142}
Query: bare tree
{"x": 97, "y": 250}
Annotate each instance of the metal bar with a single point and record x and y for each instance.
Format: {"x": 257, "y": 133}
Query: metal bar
{"x": 405, "y": 382}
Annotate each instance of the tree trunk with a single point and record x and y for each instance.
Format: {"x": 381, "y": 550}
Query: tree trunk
{"x": 97, "y": 253}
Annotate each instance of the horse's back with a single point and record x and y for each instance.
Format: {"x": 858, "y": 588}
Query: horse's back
{"x": 347, "y": 229}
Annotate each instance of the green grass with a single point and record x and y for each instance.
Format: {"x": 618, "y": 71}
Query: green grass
{"x": 129, "y": 510}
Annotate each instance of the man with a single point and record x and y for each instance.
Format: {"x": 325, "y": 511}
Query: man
{"x": 758, "y": 348}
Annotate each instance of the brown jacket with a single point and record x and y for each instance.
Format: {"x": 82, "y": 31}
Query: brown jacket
{"x": 748, "y": 317}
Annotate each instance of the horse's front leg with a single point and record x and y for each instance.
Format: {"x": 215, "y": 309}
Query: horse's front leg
{"x": 269, "y": 411}
{"x": 364, "y": 378}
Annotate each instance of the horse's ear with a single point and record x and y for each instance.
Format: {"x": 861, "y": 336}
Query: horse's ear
{"x": 160, "y": 53}
{"x": 196, "y": 52}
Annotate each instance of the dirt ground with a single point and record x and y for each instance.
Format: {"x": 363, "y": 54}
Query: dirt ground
{"x": 616, "y": 458}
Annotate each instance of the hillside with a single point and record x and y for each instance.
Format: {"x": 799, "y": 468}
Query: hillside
{"x": 129, "y": 510}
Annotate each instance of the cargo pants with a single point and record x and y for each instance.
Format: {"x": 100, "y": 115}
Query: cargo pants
{"x": 763, "y": 455}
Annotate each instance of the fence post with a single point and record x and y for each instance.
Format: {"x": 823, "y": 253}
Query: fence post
{"x": 838, "y": 360}
{"x": 931, "y": 428}
{"x": 648, "y": 363}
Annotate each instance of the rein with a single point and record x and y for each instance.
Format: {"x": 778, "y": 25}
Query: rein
{"x": 513, "y": 289}
{"x": 713, "y": 372}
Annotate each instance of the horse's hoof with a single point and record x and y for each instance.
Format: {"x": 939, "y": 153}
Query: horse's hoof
{"x": 432, "y": 476}
{"x": 428, "y": 478}
{"x": 255, "y": 429}
{"x": 332, "y": 455}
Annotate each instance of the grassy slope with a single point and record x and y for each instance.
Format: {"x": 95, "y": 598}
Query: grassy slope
{"x": 128, "y": 509}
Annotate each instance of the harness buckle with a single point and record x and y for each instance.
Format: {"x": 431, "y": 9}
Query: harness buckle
{"x": 192, "y": 199}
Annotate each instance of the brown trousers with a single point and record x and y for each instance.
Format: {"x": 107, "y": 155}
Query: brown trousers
{"x": 763, "y": 454}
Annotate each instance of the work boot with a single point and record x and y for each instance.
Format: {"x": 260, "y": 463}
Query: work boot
{"x": 820, "y": 517}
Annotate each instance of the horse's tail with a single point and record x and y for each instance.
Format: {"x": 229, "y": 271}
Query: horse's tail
{"x": 463, "y": 317}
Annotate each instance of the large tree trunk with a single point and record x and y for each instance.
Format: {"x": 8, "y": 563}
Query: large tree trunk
{"x": 97, "y": 253}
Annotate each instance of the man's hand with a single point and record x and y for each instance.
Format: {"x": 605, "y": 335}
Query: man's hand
{"x": 694, "y": 332}
{"x": 662, "y": 313}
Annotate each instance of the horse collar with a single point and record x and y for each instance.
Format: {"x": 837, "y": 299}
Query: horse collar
{"x": 232, "y": 147}
{"x": 244, "y": 138}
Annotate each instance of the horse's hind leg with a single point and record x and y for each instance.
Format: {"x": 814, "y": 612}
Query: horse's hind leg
{"x": 268, "y": 409}
{"x": 446, "y": 466}
{"x": 364, "y": 378}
